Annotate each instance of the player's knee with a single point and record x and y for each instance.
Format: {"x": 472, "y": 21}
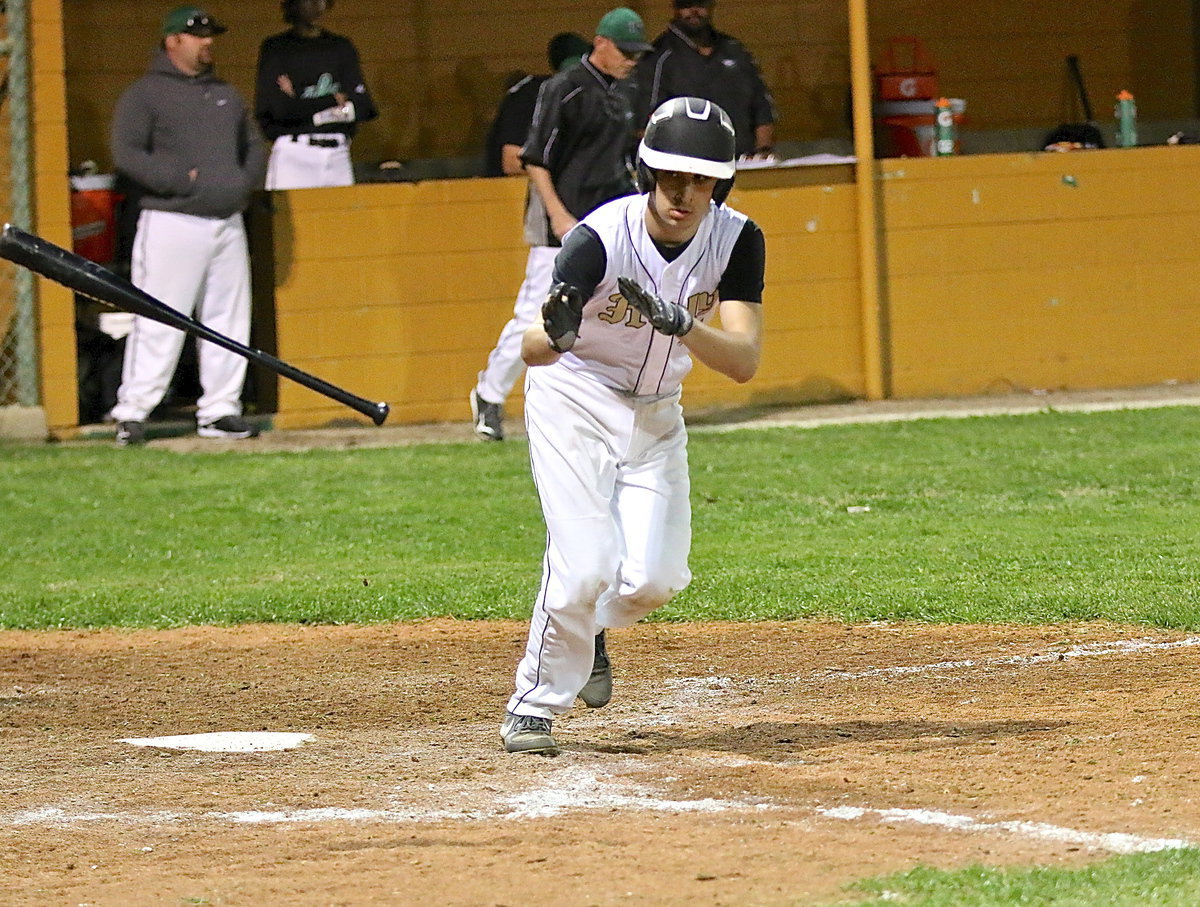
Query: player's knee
{"x": 636, "y": 602}
{"x": 585, "y": 587}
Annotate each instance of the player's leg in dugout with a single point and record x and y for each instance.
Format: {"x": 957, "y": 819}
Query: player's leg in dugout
{"x": 169, "y": 261}
{"x": 504, "y": 364}
{"x": 226, "y": 309}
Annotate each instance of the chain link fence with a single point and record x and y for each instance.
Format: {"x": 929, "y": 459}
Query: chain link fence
{"x": 18, "y": 326}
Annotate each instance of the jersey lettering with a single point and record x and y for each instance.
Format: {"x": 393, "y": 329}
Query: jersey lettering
{"x": 700, "y": 304}
{"x": 619, "y": 310}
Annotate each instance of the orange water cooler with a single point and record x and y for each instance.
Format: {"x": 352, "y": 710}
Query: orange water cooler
{"x": 94, "y": 202}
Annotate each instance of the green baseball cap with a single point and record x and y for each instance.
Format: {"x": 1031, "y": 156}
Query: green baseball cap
{"x": 625, "y": 29}
{"x": 191, "y": 20}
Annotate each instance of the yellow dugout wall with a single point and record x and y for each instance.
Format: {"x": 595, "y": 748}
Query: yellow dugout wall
{"x": 997, "y": 272}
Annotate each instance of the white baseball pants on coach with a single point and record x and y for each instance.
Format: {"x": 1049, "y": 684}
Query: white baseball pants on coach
{"x": 612, "y": 474}
{"x": 504, "y": 365}
{"x": 296, "y": 163}
{"x": 200, "y": 267}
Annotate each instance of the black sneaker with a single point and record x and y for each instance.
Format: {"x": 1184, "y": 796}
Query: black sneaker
{"x": 233, "y": 428}
{"x": 598, "y": 690}
{"x": 489, "y": 418}
{"x": 130, "y": 434}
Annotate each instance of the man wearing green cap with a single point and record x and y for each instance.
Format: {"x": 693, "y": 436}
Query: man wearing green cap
{"x": 185, "y": 138}
{"x": 580, "y": 146}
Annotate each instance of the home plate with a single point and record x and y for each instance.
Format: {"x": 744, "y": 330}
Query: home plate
{"x": 225, "y": 741}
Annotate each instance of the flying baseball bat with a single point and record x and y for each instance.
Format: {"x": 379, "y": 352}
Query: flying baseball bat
{"x": 89, "y": 279}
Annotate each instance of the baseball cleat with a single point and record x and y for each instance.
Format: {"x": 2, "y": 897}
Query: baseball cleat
{"x": 489, "y": 418}
{"x": 598, "y": 690}
{"x": 234, "y": 428}
{"x": 131, "y": 434}
{"x": 527, "y": 734}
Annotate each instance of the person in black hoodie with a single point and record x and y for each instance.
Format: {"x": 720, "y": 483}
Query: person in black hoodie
{"x": 186, "y": 139}
{"x": 309, "y": 98}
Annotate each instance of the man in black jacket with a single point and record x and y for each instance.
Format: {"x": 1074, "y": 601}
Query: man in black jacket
{"x": 692, "y": 59}
{"x": 185, "y": 138}
{"x": 503, "y": 158}
{"x": 310, "y": 97}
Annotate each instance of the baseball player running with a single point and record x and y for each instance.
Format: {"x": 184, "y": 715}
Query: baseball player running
{"x": 635, "y": 285}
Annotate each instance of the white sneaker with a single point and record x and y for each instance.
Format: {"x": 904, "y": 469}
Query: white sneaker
{"x": 527, "y": 734}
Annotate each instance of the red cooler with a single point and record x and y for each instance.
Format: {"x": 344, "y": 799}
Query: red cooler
{"x": 94, "y": 217}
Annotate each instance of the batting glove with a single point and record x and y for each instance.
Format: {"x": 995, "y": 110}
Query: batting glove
{"x": 665, "y": 317}
{"x": 562, "y": 313}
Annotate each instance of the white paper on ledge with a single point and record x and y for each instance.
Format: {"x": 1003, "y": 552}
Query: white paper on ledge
{"x": 811, "y": 160}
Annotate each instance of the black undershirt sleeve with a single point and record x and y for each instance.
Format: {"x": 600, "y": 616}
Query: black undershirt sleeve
{"x": 743, "y": 277}
{"x": 582, "y": 261}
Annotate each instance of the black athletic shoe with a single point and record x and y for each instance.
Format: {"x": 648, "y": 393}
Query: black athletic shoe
{"x": 489, "y": 418}
{"x": 233, "y": 428}
{"x": 131, "y": 434}
{"x": 598, "y": 690}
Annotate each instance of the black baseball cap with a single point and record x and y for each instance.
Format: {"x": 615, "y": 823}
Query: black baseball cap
{"x": 191, "y": 20}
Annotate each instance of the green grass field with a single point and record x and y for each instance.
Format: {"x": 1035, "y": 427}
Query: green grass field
{"x": 1034, "y": 518}
{"x": 1038, "y": 518}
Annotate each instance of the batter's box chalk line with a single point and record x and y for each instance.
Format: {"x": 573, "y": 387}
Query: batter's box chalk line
{"x": 1089, "y": 650}
{"x": 568, "y": 790}
{"x": 1112, "y": 842}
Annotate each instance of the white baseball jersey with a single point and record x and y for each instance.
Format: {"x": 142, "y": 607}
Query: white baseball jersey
{"x": 616, "y": 345}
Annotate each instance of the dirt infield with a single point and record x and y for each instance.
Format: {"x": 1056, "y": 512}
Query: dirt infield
{"x": 758, "y": 763}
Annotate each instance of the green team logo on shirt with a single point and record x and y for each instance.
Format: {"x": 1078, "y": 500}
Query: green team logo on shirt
{"x": 325, "y": 86}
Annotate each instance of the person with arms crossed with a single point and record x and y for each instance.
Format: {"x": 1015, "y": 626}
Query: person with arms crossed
{"x": 692, "y": 58}
{"x": 635, "y": 285}
{"x": 503, "y": 158}
{"x": 185, "y": 138}
{"x": 310, "y": 96}
{"x": 578, "y": 153}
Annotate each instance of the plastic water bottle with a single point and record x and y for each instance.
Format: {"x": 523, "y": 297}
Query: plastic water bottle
{"x": 944, "y": 137}
{"x": 1126, "y": 113}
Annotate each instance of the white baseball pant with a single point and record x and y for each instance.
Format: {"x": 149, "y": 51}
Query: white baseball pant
{"x": 612, "y": 475}
{"x": 296, "y": 163}
{"x": 504, "y": 364}
{"x": 200, "y": 267}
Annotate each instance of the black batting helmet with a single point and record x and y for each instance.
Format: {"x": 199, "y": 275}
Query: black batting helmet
{"x": 689, "y": 135}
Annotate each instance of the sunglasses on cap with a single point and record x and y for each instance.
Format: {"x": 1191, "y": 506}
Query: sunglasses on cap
{"x": 687, "y": 4}
{"x": 200, "y": 25}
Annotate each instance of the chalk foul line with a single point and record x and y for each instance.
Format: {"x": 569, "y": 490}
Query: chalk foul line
{"x": 1122, "y": 647}
{"x": 572, "y": 789}
{"x": 1112, "y": 842}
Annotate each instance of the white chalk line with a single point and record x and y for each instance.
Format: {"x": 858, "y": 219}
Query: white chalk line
{"x": 1112, "y": 842}
{"x": 1121, "y": 647}
{"x": 850, "y": 415}
{"x": 561, "y": 791}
